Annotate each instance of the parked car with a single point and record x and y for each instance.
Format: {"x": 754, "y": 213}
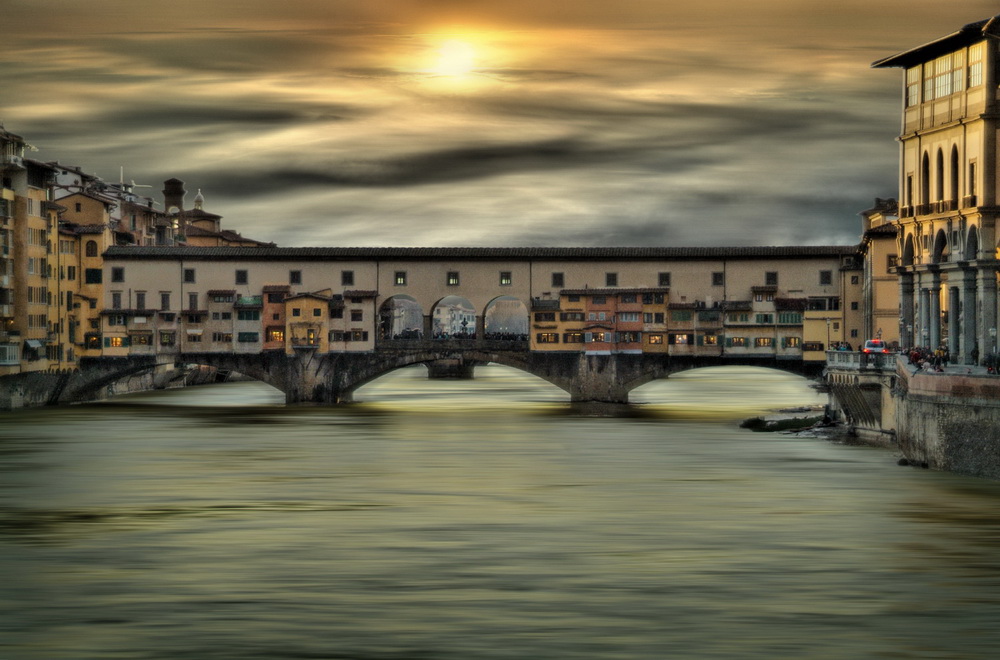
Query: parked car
{"x": 875, "y": 346}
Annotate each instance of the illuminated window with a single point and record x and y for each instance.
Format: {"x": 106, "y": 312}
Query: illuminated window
{"x": 116, "y": 342}
{"x": 792, "y": 342}
{"x": 452, "y": 278}
{"x": 763, "y": 342}
{"x": 400, "y": 278}
{"x": 547, "y": 338}
{"x": 711, "y": 340}
{"x": 505, "y": 278}
{"x": 276, "y": 334}
{"x": 655, "y": 339}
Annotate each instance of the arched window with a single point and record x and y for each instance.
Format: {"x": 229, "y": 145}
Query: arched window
{"x": 925, "y": 180}
{"x": 91, "y": 248}
{"x": 954, "y": 174}
{"x": 939, "y": 178}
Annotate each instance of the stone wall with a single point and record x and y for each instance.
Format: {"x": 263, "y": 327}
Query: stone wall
{"x": 950, "y": 422}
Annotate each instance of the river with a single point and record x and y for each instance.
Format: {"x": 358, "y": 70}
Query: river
{"x": 458, "y": 520}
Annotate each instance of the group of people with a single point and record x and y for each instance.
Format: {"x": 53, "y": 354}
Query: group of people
{"x": 931, "y": 360}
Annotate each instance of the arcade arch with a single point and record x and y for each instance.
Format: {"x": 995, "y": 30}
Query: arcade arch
{"x": 401, "y": 317}
{"x": 453, "y": 317}
{"x": 506, "y": 318}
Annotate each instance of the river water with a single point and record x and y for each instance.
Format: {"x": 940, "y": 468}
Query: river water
{"x": 461, "y": 520}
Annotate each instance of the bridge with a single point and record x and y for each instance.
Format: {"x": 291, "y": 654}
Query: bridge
{"x": 307, "y": 376}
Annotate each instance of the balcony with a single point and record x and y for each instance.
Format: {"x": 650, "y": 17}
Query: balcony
{"x": 969, "y": 201}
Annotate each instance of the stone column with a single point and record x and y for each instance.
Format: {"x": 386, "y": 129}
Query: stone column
{"x": 969, "y": 317}
{"x": 934, "y": 311}
{"x": 906, "y": 319}
{"x": 986, "y": 295}
{"x": 923, "y": 323}
{"x": 954, "y": 330}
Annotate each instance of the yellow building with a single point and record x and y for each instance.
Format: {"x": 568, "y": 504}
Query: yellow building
{"x": 948, "y": 208}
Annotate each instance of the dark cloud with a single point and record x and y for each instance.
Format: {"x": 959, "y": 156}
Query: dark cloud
{"x": 637, "y": 122}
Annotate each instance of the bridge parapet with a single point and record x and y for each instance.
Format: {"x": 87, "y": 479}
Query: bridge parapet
{"x": 453, "y": 345}
{"x": 858, "y": 361}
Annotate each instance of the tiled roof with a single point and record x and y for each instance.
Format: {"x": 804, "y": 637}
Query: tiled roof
{"x": 476, "y": 253}
{"x": 222, "y": 292}
{"x": 276, "y": 288}
{"x": 91, "y": 229}
{"x": 883, "y": 230}
{"x": 360, "y": 294}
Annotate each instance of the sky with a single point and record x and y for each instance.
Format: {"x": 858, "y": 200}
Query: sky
{"x": 480, "y": 123}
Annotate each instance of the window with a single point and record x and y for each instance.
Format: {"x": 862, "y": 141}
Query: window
{"x": 572, "y": 337}
{"x": 763, "y": 342}
{"x": 505, "y": 278}
{"x": 912, "y": 86}
{"x": 92, "y": 275}
{"x": 718, "y": 279}
{"x": 192, "y": 301}
{"x": 573, "y": 298}
{"x": 400, "y": 278}
{"x": 631, "y": 337}
{"x": 295, "y": 277}
{"x": 222, "y": 298}
{"x": 357, "y": 315}
{"x": 812, "y": 346}
{"x": 976, "y": 65}
{"x": 664, "y": 279}
{"x": 854, "y": 279}
{"x": 189, "y": 275}
{"x": 680, "y": 315}
{"x": 891, "y": 261}
{"x": 655, "y": 339}
{"x": 194, "y": 338}
{"x": 547, "y": 338}
{"x": 599, "y": 300}
{"x": 854, "y": 334}
{"x": 765, "y": 318}
{"x": 336, "y": 312}
{"x": 791, "y": 342}
{"x": 241, "y": 277}
{"x": 737, "y": 341}
{"x": 71, "y": 272}
{"x": 167, "y": 338}
{"x": 825, "y": 277}
{"x": 276, "y": 334}
{"x": 116, "y": 300}
{"x": 558, "y": 280}
{"x": 568, "y": 316}
{"x": 296, "y": 311}
{"x": 223, "y": 337}
{"x": 91, "y": 249}
{"x": 854, "y": 305}
{"x": 628, "y": 298}
{"x": 115, "y": 342}
{"x": 164, "y": 300}
{"x": 247, "y": 337}
{"x": 347, "y": 278}
{"x": 628, "y": 317}
{"x": 682, "y": 339}
{"x": 140, "y": 300}
{"x": 452, "y": 278}
{"x": 711, "y": 340}
{"x": 248, "y": 315}
{"x": 771, "y": 278}
{"x": 610, "y": 279}
{"x": 789, "y": 318}
{"x": 541, "y": 317}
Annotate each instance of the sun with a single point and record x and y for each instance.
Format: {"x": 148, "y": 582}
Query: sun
{"x": 455, "y": 58}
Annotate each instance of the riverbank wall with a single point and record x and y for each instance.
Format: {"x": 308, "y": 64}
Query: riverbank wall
{"x": 46, "y": 388}
{"x": 949, "y": 421}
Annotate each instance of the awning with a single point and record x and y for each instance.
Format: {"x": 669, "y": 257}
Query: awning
{"x": 194, "y": 332}
{"x": 33, "y": 343}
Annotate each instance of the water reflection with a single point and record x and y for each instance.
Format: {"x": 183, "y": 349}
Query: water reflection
{"x": 448, "y": 519}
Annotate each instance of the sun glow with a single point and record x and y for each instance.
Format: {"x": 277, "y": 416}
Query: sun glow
{"x": 455, "y": 58}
